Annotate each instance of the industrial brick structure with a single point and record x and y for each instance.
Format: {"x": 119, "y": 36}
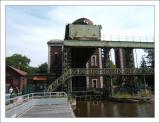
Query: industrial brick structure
{"x": 55, "y": 58}
{"x": 82, "y": 60}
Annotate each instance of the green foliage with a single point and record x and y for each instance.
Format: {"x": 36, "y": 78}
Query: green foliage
{"x": 18, "y": 61}
{"x": 32, "y": 70}
{"x": 43, "y": 68}
{"x": 144, "y": 93}
{"x": 122, "y": 95}
{"x": 22, "y": 62}
{"x": 150, "y": 57}
{"x": 143, "y": 63}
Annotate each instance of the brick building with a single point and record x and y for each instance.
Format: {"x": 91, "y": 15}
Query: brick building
{"x": 16, "y": 79}
{"x": 94, "y": 60}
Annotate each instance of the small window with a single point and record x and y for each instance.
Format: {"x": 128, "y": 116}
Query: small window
{"x": 56, "y": 57}
{"x": 93, "y": 60}
{"x": 94, "y": 83}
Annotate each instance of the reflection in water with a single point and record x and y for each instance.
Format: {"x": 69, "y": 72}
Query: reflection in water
{"x": 113, "y": 109}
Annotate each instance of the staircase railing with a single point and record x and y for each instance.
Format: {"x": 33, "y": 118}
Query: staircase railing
{"x": 60, "y": 80}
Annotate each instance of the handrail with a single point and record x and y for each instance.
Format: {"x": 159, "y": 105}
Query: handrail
{"x": 12, "y": 102}
{"x": 112, "y": 71}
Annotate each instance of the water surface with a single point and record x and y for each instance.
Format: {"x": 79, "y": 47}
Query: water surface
{"x": 113, "y": 109}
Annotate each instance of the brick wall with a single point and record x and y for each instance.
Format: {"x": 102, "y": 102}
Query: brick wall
{"x": 56, "y": 60}
{"x": 97, "y": 65}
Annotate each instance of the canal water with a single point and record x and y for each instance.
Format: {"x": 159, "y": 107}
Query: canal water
{"x": 113, "y": 109}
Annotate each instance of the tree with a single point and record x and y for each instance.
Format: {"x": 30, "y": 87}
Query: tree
{"x": 18, "y": 61}
{"x": 149, "y": 62}
{"x": 33, "y": 70}
{"x": 43, "y": 68}
{"x": 143, "y": 63}
{"x": 150, "y": 57}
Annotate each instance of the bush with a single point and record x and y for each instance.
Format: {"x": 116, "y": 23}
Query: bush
{"x": 122, "y": 95}
{"x": 144, "y": 93}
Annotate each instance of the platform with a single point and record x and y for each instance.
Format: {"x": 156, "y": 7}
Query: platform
{"x": 49, "y": 111}
{"x": 40, "y": 105}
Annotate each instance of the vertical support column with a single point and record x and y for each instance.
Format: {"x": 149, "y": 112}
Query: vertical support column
{"x": 100, "y": 66}
{"x": 106, "y": 64}
{"x": 124, "y": 59}
{"x": 106, "y": 60}
{"x": 130, "y": 80}
{"x": 87, "y": 77}
{"x": 67, "y": 66}
{"x": 130, "y": 58}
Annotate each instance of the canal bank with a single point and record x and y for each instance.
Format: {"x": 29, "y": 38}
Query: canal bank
{"x": 113, "y": 109}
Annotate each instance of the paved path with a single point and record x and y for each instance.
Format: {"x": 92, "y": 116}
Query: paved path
{"x": 49, "y": 111}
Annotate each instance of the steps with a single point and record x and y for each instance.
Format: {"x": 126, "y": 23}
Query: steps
{"x": 60, "y": 80}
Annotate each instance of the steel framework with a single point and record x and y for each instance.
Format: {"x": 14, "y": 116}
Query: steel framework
{"x": 96, "y": 71}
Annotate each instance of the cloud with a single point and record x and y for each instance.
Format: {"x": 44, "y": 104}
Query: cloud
{"x": 28, "y": 28}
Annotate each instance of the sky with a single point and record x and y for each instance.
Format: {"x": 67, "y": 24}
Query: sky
{"x": 29, "y": 28}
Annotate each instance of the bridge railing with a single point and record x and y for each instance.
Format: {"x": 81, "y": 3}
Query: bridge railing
{"x": 111, "y": 71}
{"x": 97, "y": 71}
{"x": 16, "y": 101}
{"x": 127, "y": 38}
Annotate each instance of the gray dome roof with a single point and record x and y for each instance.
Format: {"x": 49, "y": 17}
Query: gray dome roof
{"x": 84, "y": 21}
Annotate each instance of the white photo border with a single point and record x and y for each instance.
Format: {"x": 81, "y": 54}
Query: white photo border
{"x": 98, "y": 3}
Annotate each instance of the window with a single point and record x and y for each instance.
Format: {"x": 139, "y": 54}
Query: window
{"x": 94, "y": 83}
{"x": 93, "y": 60}
{"x": 56, "y": 57}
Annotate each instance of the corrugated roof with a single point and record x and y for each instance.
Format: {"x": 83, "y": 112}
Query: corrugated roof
{"x": 18, "y": 71}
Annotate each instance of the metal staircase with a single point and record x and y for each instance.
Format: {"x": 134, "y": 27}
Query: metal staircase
{"x": 96, "y": 71}
{"x": 60, "y": 80}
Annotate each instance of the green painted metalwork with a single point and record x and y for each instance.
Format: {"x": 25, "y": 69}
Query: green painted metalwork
{"x": 96, "y": 71}
{"x": 67, "y": 66}
{"x": 109, "y": 44}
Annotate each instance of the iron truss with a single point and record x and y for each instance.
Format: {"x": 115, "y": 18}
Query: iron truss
{"x": 96, "y": 71}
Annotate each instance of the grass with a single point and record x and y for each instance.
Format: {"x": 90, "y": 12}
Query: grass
{"x": 123, "y": 95}
{"x": 144, "y": 93}
{"x": 141, "y": 93}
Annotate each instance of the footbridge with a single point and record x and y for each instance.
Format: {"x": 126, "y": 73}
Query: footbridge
{"x": 109, "y": 44}
{"x": 96, "y": 71}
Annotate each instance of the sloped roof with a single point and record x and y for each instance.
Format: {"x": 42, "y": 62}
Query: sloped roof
{"x": 23, "y": 73}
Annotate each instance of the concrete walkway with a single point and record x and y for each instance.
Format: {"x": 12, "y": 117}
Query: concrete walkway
{"x": 49, "y": 111}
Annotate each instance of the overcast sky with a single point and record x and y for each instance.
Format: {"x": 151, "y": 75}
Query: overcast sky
{"x": 28, "y": 28}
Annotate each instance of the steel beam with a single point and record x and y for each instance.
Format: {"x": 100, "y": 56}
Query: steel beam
{"x": 109, "y": 44}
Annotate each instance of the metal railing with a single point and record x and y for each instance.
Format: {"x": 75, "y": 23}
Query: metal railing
{"x": 111, "y": 71}
{"x": 16, "y": 101}
{"x": 127, "y": 38}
